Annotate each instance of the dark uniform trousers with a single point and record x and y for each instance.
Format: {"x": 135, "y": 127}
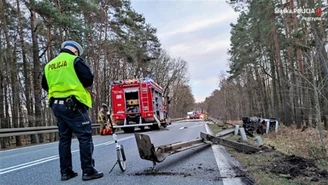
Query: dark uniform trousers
{"x": 76, "y": 122}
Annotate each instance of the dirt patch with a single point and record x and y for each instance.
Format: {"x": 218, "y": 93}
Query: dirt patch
{"x": 276, "y": 168}
{"x": 157, "y": 173}
{"x": 293, "y": 166}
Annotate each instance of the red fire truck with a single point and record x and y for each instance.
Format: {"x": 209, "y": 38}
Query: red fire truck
{"x": 138, "y": 103}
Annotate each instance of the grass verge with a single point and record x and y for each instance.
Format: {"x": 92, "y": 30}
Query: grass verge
{"x": 295, "y": 159}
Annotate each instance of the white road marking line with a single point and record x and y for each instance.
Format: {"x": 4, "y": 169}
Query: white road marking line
{"x": 39, "y": 160}
{"x": 9, "y": 150}
{"x": 32, "y": 163}
{"x": 222, "y": 161}
{"x": 51, "y": 158}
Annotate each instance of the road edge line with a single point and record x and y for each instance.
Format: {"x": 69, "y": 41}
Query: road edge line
{"x": 225, "y": 168}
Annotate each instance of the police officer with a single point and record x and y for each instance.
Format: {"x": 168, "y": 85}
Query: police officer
{"x": 66, "y": 78}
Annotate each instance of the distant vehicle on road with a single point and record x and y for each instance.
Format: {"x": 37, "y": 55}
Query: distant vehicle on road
{"x": 195, "y": 115}
{"x": 190, "y": 115}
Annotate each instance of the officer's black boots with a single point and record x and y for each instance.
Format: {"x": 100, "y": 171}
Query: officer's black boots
{"x": 67, "y": 176}
{"x": 95, "y": 175}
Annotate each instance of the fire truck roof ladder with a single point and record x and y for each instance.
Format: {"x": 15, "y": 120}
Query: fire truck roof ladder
{"x": 144, "y": 97}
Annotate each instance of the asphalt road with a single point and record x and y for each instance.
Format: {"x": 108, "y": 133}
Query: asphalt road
{"x": 208, "y": 164}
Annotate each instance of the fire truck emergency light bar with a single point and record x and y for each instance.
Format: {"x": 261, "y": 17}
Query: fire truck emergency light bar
{"x": 130, "y": 81}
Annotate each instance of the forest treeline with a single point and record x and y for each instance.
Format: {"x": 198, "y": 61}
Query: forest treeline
{"x": 278, "y": 64}
{"x": 119, "y": 44}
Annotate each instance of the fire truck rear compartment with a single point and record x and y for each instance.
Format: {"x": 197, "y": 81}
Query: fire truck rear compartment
{"x": 138, "y": 104}
{"x": 132, "y": 106}
{"x": 133, "y": 112}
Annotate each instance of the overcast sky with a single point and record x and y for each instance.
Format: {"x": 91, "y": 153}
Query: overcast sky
{"x": 197, "y": 31}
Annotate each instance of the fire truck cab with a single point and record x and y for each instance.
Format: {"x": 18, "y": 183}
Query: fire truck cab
{"x": 138, "y": 103}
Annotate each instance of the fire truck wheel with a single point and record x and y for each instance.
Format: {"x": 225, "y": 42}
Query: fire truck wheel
{"x": 142, "y": 128}
{"x": 154, "y": 127}
{"x": 128, "y": 129}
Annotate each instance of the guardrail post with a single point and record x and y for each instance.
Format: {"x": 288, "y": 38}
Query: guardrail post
{"x": 37, "y": 139}
{"x": 236, "y": 130}
{"x": 267, "y": 127}
{"x": 243, "y": 134}
{"x": 259, "y": 140}
{"x": 276, "y": 127}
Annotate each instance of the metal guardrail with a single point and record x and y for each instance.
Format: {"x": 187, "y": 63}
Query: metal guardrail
{"x": 177, "y": 119}
{"x": 267, "y": 127}
{"x": 215, "y": 120}
{"x": 8, "y": 132}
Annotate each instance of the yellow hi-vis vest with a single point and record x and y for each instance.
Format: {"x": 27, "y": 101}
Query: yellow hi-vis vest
{"x": 63, "y": 81}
